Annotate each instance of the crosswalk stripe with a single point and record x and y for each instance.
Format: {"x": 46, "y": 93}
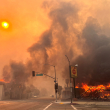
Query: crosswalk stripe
{"x": 48, "y": 106}
{"x": 73, "y": 107}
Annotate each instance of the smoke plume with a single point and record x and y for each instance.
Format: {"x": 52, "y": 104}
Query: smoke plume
{"x": 87, "y": 46}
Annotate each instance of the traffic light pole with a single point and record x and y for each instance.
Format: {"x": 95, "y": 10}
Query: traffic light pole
{"x": 55, "y": 80}
{"x": 55, "y": 83}
{"x": 56, "y": 89}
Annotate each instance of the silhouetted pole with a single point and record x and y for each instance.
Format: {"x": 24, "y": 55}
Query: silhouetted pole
{"x": 74, "y": 88}
{"x": 70, "y": 77}
{"x": 55, "y": 82}
{"x": 55, "y": 79}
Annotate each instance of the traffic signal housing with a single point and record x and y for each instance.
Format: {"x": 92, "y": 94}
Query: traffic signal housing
{"x": 33, "y": 73}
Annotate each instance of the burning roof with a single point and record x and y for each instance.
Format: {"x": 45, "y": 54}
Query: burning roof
{"x": 99, "y": 91}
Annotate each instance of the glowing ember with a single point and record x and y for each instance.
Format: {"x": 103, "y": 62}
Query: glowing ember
{"x": 2, "y": 80}
{"x": 76, "y": 87}
{"x": 108, "y": 86}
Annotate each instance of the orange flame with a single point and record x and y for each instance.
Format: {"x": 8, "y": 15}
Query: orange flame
{"x": 2, "y": 80}
{"x": 76, "y": 87}
{"x": 108, "y": 85}
{"x": 99, "y": 88}
{"x": 93, "y": 88}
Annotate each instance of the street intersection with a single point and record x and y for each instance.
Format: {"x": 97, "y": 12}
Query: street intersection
{"x": 51, "y": 104}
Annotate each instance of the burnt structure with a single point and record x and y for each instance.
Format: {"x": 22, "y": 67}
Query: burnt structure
{"x": 66, "y": 93}
{"x": 18, "y": 91}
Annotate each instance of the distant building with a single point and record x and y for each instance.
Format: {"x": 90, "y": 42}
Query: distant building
{"x": 1, "y": 92}
{"x": 66, "y": 93}
{"x": 16, "y": 91}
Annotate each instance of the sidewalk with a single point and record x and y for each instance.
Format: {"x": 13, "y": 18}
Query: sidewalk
{"x": 84, "y": 102}
{"x": 76, "y": 105}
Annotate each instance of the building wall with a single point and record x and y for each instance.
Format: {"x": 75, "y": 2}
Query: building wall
{"x": 66, "y": 93}
{"x": 1, "y": 92}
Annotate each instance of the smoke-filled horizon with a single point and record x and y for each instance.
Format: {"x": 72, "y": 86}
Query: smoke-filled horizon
{"x": 75, "y": 32}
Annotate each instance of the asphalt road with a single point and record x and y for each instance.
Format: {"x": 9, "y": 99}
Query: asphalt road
{"x": 30, "y": 104}
{"x": 91, "y": 107}
{"x": 50, "y": 104}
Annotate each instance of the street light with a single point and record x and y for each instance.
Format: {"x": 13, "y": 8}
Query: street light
{"x": 73, "y": 80}
{"x": 55, "y": 78}
{"x": 70, "y": 78}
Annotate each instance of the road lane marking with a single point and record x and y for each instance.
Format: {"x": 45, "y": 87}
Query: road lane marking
{"x": 73, "y": 107}
{"x": 48, "y": 106}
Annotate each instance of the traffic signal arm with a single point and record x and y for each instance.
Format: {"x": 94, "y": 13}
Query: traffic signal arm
{"x": 33, "y": 74}
{"x": 49, "y": 76}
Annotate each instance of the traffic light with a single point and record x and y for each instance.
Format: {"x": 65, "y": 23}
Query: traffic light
{"x": 56, "y": 90}
{"x": 56, "y": 85}
{"x": 33, "y": 73}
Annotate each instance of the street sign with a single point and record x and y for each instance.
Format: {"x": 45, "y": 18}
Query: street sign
{"x": 73, "y": 72}
{"x": 39, "y": 74}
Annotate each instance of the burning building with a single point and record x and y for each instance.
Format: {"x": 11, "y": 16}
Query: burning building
{"x": 95, "y": 92}
{"x": 88, "y": 92}
{"x": 1, "y": 92}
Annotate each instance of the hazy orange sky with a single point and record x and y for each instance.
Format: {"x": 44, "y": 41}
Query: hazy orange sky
{"x": 28, "y": 20}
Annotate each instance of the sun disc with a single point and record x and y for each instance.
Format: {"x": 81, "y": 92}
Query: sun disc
{"x": 5, "y": 24}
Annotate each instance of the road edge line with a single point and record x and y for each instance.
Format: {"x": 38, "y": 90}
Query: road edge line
{"x": 47, "y": 106}
{"x": 73, "y": 107}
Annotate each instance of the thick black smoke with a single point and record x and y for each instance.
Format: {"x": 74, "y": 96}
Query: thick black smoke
{"x": 94, "y": 63}
{"x": 17, "y": 72}
{"x": 56, "y": 39}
